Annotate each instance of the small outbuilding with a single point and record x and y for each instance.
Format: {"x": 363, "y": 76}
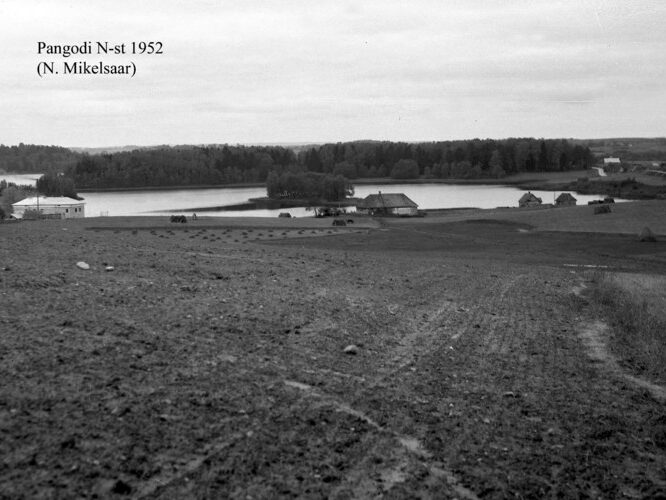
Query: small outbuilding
{"x": 388, "y": 204}
{"x": 49, "y": 207}
{"x": 529, "y": 200}
{"x": 565, "y": 200}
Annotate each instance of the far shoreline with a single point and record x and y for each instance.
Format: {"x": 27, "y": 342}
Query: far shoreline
{"x": 632, "y": 186}
{"x": 514, "y": 180}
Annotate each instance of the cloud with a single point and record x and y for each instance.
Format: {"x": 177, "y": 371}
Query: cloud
{"x": 262, "y": 71}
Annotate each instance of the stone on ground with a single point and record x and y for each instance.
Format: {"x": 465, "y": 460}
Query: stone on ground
{"x": 350, "y": 349}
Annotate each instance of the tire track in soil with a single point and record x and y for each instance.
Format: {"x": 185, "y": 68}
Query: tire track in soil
{"x": 419, "y": 330}
{"x": 522, "y": 400}
{"x": 408, "y": 444}
{"x": 426, "y": 328}
{"x": 480, "y": 340}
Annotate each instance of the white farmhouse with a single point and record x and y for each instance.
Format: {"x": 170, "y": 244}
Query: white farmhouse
{"x": 55, "y": 207}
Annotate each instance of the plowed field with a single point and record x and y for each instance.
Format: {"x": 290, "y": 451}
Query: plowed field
{"x": 210, "y": 363}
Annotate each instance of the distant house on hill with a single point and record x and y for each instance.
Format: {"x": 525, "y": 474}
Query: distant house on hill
{"x": 613, "y": 165}
{"x": 387, "y": 204}
{"x": 51, "y": 207}
{"x": 565, "y": 200}
{"x": 529, "y": 200}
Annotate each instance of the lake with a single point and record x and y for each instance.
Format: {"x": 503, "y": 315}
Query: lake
{"x": 427, "y": 196}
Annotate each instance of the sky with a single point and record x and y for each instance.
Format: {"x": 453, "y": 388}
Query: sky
{"x": 292, "y": 71}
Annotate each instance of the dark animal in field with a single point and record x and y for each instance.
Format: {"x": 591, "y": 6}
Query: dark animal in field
{"x": 179, "y": 218}
{"x": 602, "y": 209}
{"x": 339, "y": 222}
{"x": 350, "y": 221}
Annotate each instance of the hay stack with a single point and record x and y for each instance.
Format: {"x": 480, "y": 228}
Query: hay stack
{"x": 647, "y": 235}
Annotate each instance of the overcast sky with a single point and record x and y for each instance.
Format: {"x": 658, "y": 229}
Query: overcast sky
{"x": 313, "y": 71}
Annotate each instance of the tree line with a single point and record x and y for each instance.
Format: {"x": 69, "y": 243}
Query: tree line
{"x": 187, "y": 166}
{"x": 227, "y": 164}
{"x": 475, "y": 158}
{"x": 32, "y": 159}
{"x": 181, "y": 166}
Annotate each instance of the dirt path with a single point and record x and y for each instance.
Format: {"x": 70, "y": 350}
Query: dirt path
{"x": 595, "y": 335}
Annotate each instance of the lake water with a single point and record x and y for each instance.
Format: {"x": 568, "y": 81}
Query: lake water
{"x": 21, "y": 179}
{"x": 427, "y": 196}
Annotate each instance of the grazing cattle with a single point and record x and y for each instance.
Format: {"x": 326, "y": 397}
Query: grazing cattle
{"x": 179, "y": 218}
{"x": 339, "y": 222}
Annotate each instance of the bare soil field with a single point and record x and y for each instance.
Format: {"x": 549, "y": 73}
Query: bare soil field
{"x": 210, "y": 362}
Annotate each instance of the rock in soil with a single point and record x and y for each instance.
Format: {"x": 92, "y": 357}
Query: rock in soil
{"x": 350, "y": 349}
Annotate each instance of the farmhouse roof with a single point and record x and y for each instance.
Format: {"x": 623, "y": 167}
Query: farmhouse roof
{"x": 611, "y": 160}
{"x": 388, "y": 200}
{"x": 565, "y": 197}
{"x": 528, "y": 197}
{"x": 47, "y": 200}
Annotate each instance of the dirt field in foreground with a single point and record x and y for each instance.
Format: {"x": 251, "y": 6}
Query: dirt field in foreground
{"x": 209, "y": 363}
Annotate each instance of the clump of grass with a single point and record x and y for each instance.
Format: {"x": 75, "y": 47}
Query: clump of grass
{"x": 639, "y": 333}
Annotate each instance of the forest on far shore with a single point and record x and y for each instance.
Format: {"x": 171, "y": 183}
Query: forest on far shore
{"x": 227, "y": 164}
